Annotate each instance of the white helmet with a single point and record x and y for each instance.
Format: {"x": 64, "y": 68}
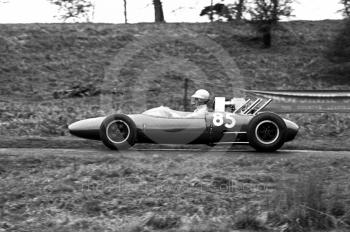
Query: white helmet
{"x": 201, "y": 94}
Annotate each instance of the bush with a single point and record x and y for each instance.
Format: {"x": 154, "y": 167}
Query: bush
{"x": 339, "y": 55}
{"x": 340, "y": 51}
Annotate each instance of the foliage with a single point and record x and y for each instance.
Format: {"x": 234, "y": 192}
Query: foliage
{"x": 74, "y": 9}
{"x": 239, "y": 9}
{"x": 265, "y": 13}
{"x": 225, "y": 11}
{"x": 346, "y": 10}
{"x": 220, "y": 10}
{"x": 270, "y": 10}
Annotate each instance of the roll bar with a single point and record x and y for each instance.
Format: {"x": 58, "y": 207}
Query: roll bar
{"x": 239, "y": 108}
{"x": 263, "y": 106}
{"x": 252, "y": 106}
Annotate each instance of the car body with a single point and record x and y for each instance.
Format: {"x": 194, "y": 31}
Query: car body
{"x": 264, "y": 131}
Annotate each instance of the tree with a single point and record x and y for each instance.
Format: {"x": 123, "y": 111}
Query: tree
{"x": 266, "y": 13}
{"x": 223, "y": 11}
{"x": 158, "y": 11}
{"x": 219, "y": 9}
{"x": 340, "y": 51}
{"x": 346, "y": 10}
{"x": 74, "y": 9}
{"x": 270, "y": 10}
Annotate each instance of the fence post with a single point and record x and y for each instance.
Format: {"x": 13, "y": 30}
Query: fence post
{"x": 185, "y": 94}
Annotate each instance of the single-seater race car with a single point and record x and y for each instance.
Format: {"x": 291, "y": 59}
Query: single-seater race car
{"x": 231, "y": 122}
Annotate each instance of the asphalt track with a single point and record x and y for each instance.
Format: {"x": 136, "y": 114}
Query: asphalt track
{"x": 99, "y": 152}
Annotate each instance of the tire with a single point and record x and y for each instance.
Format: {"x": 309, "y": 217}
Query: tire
{"x": 125, "y": 136}
{"x": 266, "y": 132}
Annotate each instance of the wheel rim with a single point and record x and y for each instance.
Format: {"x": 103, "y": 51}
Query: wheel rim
{"x": 267, "y": 132}
{"x": 118, "y": 131}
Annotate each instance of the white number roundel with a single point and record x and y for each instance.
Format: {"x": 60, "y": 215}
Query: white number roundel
{"x": 219, "y": 120}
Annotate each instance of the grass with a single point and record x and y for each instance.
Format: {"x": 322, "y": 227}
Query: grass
{"x": 247, "y": 220}
{"x": 310, "y": 204}
{"x": 159, "y": 191}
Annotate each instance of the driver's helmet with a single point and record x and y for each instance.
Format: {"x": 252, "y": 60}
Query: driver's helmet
{"x": 202, "y": 95}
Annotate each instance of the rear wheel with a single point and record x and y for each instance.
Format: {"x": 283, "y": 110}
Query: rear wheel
{"x": 267, "y": 132}
{"x": 118, "y": 132}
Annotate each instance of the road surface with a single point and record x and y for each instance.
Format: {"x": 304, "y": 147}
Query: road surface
{"x": 165, "y": 152}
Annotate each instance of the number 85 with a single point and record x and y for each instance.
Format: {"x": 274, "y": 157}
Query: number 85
{"x": 219, "y": 120}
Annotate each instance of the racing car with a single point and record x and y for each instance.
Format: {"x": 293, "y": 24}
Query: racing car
{"x": 228, "y": 123}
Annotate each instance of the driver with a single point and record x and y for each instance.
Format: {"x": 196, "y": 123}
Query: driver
{"x": 200, "y": 100}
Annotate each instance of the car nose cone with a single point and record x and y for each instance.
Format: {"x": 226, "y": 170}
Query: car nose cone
{"x": 88, "y": 128}
{"x": 292, "y": 130}
{"x": 74, "y": 127}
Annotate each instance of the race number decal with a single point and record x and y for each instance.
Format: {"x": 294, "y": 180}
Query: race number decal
{"x": 219, "y": 120}
{"x": 232, "y": 121}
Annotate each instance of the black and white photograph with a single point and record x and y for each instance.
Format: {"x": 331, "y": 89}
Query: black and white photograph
{"x": 174, "y": 115}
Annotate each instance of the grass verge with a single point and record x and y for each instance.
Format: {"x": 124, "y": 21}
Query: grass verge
{"x": 177, "y": 191}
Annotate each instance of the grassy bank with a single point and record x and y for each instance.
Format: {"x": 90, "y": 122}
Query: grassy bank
{"x": 54, "y": 74}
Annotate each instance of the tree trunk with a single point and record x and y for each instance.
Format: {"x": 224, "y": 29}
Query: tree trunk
{"x": 275, "y": 5}
{"x": 125, "y": 13}
{"x": 240, "y": 9}
{"x": 158, "y": 11}
{"x": 211, "y": 14}
{"x": 266, "y": 30}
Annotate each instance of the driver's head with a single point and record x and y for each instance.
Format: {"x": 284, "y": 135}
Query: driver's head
{"x": 200, "y": 97}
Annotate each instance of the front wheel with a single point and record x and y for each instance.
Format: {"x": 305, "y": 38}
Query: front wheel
{"x": 266, "y": 132}
{"x": 118, "y": 132}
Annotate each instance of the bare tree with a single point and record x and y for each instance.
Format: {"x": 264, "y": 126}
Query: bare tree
{"x": 158, "y": 11}
{"x": 74, "y": 9}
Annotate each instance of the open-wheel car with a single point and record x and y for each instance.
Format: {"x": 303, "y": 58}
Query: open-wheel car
{"x": 229, "y": 123}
